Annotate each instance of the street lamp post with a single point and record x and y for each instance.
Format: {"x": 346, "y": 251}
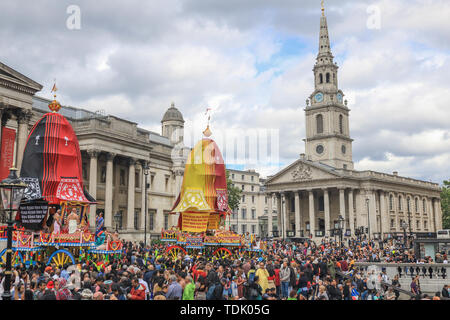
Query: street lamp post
{"x": 146, "y": 169}
{"x": 341, "y": 228}
{"x": 368, "y": 217}
{"x": 12, "y": 189}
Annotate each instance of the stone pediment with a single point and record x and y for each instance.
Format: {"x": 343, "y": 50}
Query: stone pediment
{"x": 301, "y": 171}
{"x": 17, "y": 81}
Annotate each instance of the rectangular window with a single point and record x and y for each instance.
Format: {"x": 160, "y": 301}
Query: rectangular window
{"x": 103, "y": 175}
{"x": 425, "y": 225}
{"x": 244, "y": 228}
{"x": 417, "y": 224}
{"x": 321, "y": 204}
{"x": 122, "y": 177}
{"x": 243, "y": 187}
{"x": 253, "y": 199}
{"x": 243, "y": 198}
{"x": 152, "y": 179}
{"x": 166, "y": 221}
{"x": 137, "y": 179}
{"x": 392, "y": 223}
{"x": 232, "y": 176}
{"x": 136, "y": 220}
{"x": 265, "y": 199}
{"x": 253, "y": 213}
{"x": 253, "y": 188}
{"x": 243, "y": 177}
{"x": 234, "y": 228}
{"x": 244, "y": 213}
{"x": 253, "y": 229}
{"x": 151, "y": 219}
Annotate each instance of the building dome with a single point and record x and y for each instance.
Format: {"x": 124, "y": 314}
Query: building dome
{"x": 173, "y": 114}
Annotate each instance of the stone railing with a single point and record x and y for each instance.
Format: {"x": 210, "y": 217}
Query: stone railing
{"x": 423, "y": 270}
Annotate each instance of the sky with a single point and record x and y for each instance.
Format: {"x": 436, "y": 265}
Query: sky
{"x": 250, "y": 62}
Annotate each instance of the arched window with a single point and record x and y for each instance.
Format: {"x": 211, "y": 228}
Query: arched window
{"x": 319, "y": 123}
{"x": 416, "y": 204}
{"x": 328, "y": 77}
{"x": 320, "y": 78}
{"x": 391, "y": 202}
{"x": 334, "y": 78}
{"x": 400, "y": 200}
{"x": 424, "y": 204}
{"x": 341, "y": 124}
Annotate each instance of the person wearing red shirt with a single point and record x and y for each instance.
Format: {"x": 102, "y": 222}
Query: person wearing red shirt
{"x": 137, "y": 290}
{"x": 277, "y": 279}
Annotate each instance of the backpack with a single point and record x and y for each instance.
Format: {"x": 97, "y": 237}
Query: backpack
{"x": 251, "y": 276}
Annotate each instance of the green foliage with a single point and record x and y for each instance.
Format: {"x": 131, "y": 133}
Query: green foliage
{"x": 445, "y": 205}
{"x": 234, "y": 194}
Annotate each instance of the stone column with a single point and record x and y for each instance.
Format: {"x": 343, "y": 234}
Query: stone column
{"x": 360, "y": 209}
{"x": 93, "y": 154}
{"x": 23, "y": 118}
{"x": 298, "y": 224}
{"x": 351, "y": 212}
{"x": 269, "y": 216}
{"x": 430, "y": 214}
{"x": 5, "y": 115}
{"x": 312, "y": 218}
{"x": 143, "y": 195}
{"x": 131, "y": 193}
{"x": 384, "y": 214}
{"x": 278, "y": 197}
{"x": 342, "y": 206}
{"x": 372, "y": 219}
{"x": 437, "y": 214}
{"x": 326, "y": 200}
{"x": 284, "y": 207}
{"x": 109, "y": 191}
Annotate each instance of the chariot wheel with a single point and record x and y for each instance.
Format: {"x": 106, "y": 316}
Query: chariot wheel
{"x": 16, "y": 256}
{"x": 61, "y": 258}
{"x": 174, "y": 251}
{"x": 222, "y": 253}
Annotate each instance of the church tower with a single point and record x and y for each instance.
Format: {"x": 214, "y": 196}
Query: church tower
{"x": 327, "y": 116}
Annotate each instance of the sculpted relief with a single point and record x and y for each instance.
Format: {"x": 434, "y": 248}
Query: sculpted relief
{"x": 302, "y": 172}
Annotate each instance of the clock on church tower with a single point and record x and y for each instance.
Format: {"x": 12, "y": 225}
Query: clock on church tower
{"x": 327, "y": 117}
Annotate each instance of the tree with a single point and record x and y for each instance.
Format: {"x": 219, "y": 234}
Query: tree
{"x": 445, "y": 205}
{"x": 234, "y": 194}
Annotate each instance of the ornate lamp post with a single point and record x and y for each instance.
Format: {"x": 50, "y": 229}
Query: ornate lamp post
{"x": 146, "y": 171}
{"x": 117, "y": 217}
{"x": 12, "y": 189}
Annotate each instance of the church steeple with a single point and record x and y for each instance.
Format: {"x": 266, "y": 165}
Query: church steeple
{"x": 327, "y": 116}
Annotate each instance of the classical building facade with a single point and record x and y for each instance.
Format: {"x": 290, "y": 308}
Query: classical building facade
{"x": 114, "y": 154}
{"x": 314, "y": 191}
{"x": 252, "y": 215}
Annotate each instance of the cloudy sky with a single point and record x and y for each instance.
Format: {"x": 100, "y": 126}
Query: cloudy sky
{"x": 251, "y": 62}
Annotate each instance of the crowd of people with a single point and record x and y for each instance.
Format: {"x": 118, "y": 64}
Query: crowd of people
{"x": 286, "y": 271}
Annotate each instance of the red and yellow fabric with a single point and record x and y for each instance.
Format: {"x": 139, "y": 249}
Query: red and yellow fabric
{"x": 204, "y": 189}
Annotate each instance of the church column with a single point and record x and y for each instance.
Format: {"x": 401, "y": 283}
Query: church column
{"x": 298, "y": 225}
{"x": 284, "y": 208}
{"x": 361, "y": 210}
{"x": 269, "y": 216}
{"x": 342, "y": 206}
{"x": 326, "y": 200}
{"x": 385, "y": 226}
{"x": 109, "y": 191}
{"x": 23, "y": 118}
{"x": 372, "y": 219}
{"x": 131, "y": 193}
{"x": 312, "y": 218}
{"x": 93, "y": 155}
{"x": 351, "y": 212}
{"x": 278, "y": 197}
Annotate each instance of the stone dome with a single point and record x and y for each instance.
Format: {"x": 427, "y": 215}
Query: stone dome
{"x": 172, "y": 114}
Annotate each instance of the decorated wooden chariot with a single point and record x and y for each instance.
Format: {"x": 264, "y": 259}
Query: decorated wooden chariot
{"x": 202, "y": 206}
{"x": 52, "y": 224}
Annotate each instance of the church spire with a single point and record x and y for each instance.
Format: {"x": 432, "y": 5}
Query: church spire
{"x": 324, "y": 40}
